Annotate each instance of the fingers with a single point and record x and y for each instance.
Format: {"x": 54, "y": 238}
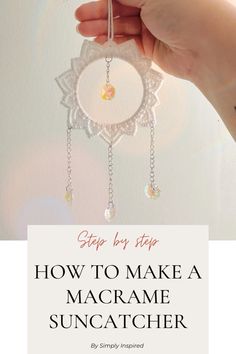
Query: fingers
{"x": 98, "y": 10}
{"x": 122, "y": 26}
{"x": 121, "y": 39}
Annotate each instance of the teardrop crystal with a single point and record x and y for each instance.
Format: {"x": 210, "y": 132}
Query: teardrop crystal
{"x": 110, "y": 213}
{"x": 152, "y": 191}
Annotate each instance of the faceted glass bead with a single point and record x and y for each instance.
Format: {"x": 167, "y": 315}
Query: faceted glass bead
{"x": 108, "y": 92}
{"x": 151, "y": 191}
{"x": 110, "y": 213}
{"x": 69, "y": 197}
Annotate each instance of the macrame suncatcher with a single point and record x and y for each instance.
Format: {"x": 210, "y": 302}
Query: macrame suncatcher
{"x": 79, "y": 118}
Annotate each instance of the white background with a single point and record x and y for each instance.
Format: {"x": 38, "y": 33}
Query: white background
{"x": 13, "y": 297}
{"x": 196, "y": 155}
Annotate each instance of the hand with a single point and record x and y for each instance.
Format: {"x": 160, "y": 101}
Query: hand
{"x": 193, "y": 40}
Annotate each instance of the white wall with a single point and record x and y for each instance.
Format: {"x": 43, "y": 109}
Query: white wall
{"x": 196, "y": 155}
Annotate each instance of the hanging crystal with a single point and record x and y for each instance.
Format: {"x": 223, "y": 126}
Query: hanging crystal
{"x": 108, "y": 90}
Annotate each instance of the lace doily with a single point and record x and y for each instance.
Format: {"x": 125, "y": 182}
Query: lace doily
{"x": 68, "y": 82}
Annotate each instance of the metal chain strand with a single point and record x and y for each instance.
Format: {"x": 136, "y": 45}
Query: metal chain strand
{"x": 69, "y": 160}
{"x": 110, "y": 177}
{"x": 152, "y": 156}
{"x": 108, "y": 64}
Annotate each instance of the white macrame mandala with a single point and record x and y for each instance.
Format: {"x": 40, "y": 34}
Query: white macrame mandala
{"x": 78, "y": 118}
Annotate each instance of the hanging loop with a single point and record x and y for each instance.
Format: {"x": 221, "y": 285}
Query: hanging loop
{"x": 110, "y": 30}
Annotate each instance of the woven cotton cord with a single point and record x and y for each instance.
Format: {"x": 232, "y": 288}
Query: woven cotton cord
{"x": 110, "y": 30}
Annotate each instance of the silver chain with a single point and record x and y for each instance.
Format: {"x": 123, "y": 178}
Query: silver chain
{"x": 69, "y": 160}
{"x": 152, "y": 155}
{"x": 108, "y": 65}
{"x": 110, "y": 177}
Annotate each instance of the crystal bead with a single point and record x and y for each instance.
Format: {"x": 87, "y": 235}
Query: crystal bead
{"x": 110, "y": 213}
{"x": 69, "y": 197}
{"x": 108, "y": 92}
{"x": 152, "y": 191}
